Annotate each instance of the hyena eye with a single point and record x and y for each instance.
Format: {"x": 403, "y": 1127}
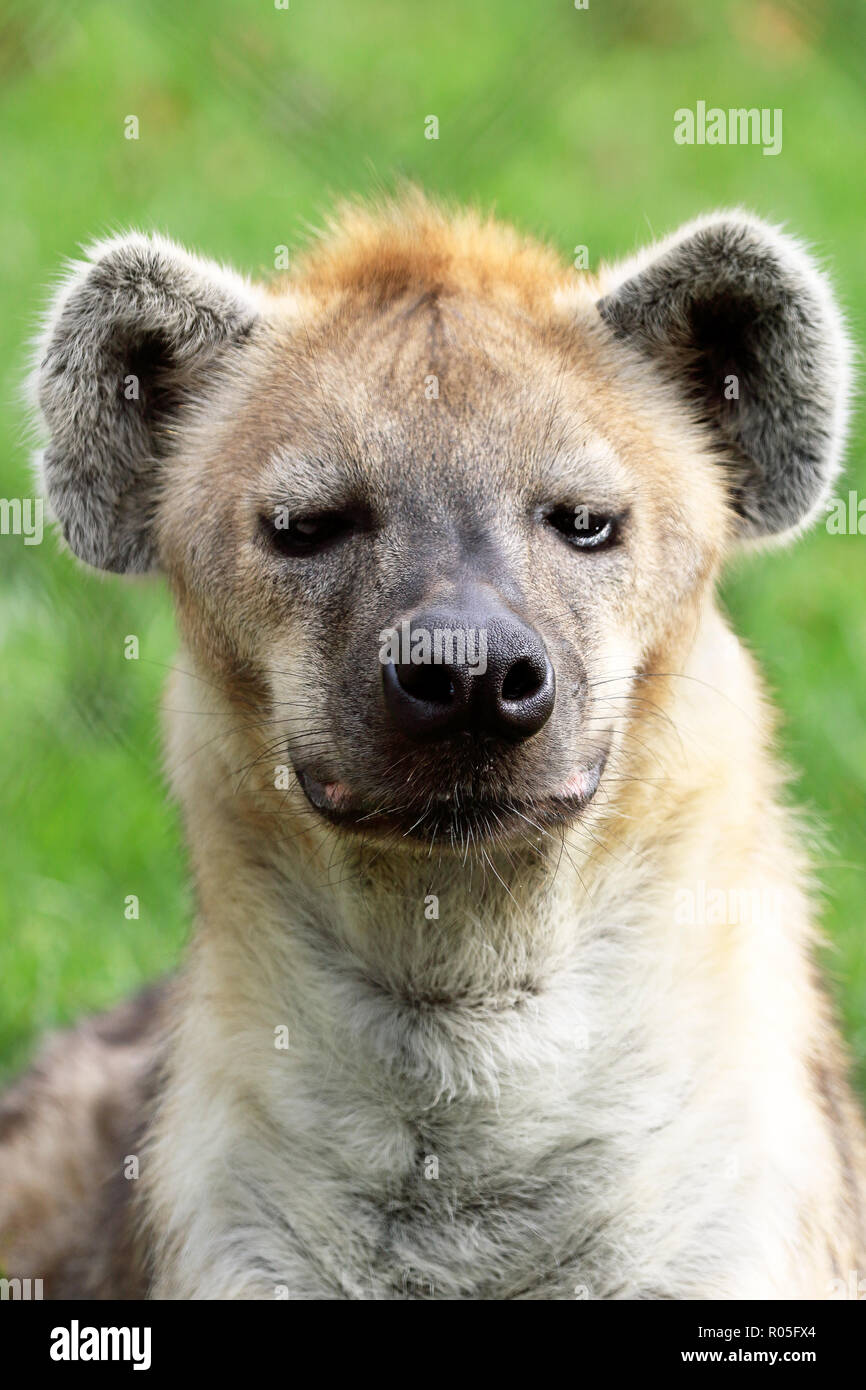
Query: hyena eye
{"x": 306, "y": 535}
{"x": 584, "y": 528}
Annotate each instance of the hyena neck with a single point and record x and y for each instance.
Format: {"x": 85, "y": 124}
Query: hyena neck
{"x": 410, "y": 934}
{"x": 334, "y": 1039}
{"x": 372, "y": 1077}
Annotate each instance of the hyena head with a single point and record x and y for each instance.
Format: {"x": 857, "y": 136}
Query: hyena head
{"x": 432, "y": 505}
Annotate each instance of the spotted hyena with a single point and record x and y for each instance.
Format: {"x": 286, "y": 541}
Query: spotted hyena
{"x": 444, "y": 1030}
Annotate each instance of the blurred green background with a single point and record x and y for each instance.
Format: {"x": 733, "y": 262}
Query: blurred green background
{"x": 251, "y": 118}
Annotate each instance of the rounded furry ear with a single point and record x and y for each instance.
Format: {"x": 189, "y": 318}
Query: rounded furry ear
{"x": 138, "y": 329}
{"x": 739, "y": 316}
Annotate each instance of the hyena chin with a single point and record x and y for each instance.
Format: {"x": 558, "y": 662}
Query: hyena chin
{"x": 445, "y": 1031}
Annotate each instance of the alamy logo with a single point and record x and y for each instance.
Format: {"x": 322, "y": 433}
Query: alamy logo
{"x": 853, "y": 1287}
{"x": 441, "y": 646}
{"x": 21, "y": 1290}
{"x": 846, "y": 518}
{"x": 700, "y": 905}
{"x": 737, "y": 126}
{"x": 76, "y": 1343}
{"x": 22, "y": 516}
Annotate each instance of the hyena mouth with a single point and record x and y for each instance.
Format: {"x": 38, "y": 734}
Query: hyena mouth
{"x": 457, "y": 817}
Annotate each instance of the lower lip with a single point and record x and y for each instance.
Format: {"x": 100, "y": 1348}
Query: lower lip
{"x": 333, "y": 800}
{"x": 574, "y": 796}
{"x": 583, "y": 785}
{"x": 332, "y": 797}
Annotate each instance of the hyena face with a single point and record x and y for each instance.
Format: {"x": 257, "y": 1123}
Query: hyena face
{"x": 444, "y": 592}
{"x": 431, "y": 508}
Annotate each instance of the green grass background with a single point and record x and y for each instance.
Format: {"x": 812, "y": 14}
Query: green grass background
{"x": 251, "y": 119}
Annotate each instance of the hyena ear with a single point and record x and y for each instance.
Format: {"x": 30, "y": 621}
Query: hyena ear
{"x": 738, "y": 315}
{"x": 139, "y": 331}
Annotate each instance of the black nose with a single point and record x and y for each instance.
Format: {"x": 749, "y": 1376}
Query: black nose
{"x": 461, "y": 671}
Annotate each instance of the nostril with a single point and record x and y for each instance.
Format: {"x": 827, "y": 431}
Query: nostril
{"x": 524, "y": 701}
{"x": 426, "y": 701}
{"x": 426, "y": 682}
{"x": 522, "y": 680}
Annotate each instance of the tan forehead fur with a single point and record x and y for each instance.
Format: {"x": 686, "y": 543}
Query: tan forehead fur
{"x": 391, "y": 248}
